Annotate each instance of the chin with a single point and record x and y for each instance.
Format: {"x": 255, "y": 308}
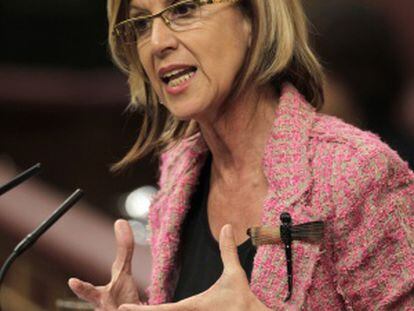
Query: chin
{"x": 184, "y": 116}
{"x": 187, "y": 111}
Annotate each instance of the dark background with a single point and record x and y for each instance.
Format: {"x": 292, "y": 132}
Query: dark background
{"x": 63, "y": 103}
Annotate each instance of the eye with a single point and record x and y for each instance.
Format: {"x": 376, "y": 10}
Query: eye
{"x": 187, "y": 9}
{"x": 141, "y": 25}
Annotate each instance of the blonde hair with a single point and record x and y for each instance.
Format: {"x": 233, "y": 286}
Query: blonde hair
{"x": 279, "y": 53}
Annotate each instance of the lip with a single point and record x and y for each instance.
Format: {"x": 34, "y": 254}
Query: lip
{"x": 175, "y": 90}
{"x": 171, "y": 67}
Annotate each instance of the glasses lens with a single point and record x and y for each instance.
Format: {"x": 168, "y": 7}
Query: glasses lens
{"x": 133, "y": 30}
{"x": 180, "y": 16}
{"x": 184, "y": 14}
{"x": 141, "y": 26}
{"x": 125, "y": 33}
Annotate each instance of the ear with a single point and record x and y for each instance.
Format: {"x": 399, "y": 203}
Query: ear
{"x": 247, "y": 25}
{"x": 249, "y": 43}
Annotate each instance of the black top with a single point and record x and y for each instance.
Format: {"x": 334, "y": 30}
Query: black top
{"x": 199, "y": 253}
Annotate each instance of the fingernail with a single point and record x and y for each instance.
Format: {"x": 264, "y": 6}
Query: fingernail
{"x": 120, "y": 223}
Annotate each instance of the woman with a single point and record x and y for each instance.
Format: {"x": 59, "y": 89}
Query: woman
{"x": 229, "y": 91}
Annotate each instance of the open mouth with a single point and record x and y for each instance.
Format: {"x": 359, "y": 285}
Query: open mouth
{"x": 176, "y": 77}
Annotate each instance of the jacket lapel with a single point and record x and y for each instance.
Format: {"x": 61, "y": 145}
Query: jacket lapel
{"x": 286, "y": 166}
{"x": 168, "y": 212}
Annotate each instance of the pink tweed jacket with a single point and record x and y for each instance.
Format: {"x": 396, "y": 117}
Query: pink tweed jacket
{"x": 318, "y": 168}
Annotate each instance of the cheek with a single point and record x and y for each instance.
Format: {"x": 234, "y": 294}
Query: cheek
{"x": 150, "y": 72}
{"x": 224, "y": 45}
{"x": 155, "y": 84}
{"x": 223, "y": 56}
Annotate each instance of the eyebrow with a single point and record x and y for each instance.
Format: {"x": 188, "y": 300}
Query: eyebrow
{"x": 136, "y": 9}
{"x": 135, "y": 12}
{"x": 140, "y": 9}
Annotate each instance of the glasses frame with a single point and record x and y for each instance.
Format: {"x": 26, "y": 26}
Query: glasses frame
{"x": 117, "y": 32}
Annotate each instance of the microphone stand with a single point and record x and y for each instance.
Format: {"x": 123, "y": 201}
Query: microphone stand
{"x": 32, "y": 237}
{"x": 35, "y": 169}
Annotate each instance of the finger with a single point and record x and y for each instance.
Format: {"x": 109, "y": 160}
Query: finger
{"x": 85, "y": 291}
{"x": 179, "y": 306}
{"x": 125, "y": 247}
{"x": 228, "y": 249}
{"x": 132, "y": 307}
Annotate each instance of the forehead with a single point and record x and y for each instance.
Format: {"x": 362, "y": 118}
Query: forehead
{"x": 149, "y": 4}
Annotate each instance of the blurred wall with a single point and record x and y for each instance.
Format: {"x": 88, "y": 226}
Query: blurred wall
{"x": 368, "y": 59}
{"x": 63, "y": 103}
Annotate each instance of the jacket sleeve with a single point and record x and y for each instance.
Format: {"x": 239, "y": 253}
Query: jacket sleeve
{"x": 374, "y": 229}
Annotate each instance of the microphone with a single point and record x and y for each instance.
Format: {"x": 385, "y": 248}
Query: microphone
{"x": 32, "y": 237}
{"x": 35, "y": 169}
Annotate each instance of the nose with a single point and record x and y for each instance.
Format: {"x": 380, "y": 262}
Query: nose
{"x": 163, "y": 39}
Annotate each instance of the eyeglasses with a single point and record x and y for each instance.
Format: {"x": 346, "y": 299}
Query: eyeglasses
{"x": 180, "y": 16}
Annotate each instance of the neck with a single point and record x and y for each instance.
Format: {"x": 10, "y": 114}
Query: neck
{"x": 237, "y": 137}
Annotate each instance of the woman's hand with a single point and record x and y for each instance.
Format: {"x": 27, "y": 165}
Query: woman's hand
{"x": 230, "y": 292}
{"x": 122, "y": 288}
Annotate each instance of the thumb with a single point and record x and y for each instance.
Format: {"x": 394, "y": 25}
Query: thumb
{"x": 85, "y": 291}
{"x": 228, "y": 250}
{"x": 125, "y": 246}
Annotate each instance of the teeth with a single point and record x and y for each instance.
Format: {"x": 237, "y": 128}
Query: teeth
{"x": 171, "y": 73}
{"x": 179, "y": 80}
